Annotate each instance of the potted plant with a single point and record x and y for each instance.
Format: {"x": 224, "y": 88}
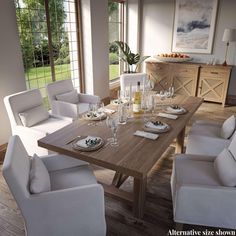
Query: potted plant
{"x": 128, "y": 57}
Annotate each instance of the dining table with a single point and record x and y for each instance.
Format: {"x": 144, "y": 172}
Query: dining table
{"x": 134, "y": 156}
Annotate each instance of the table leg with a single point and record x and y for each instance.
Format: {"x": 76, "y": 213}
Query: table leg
{"x": 119, "y": 179}
{"x": 180, "y": 141}
{"x": 139, "y": 194}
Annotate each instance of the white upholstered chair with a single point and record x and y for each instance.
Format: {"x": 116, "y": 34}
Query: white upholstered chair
{"x": 30, "y": 120}
{"x": 73, "y": 206}
{"x": 132, "y": 79}
{"x": 198, "y": 195}
{"x": 66, "y": 101}
{"x": 205, "y": 138}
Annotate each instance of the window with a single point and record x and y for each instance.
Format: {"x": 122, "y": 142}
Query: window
{"x": 49, "y": 41}
{"x": 116, "y": 32}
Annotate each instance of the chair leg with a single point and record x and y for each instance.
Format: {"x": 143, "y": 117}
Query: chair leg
{"x": 179, "y": 226}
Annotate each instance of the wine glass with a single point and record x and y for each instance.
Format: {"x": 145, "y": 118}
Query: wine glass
{"x": 100, "y": 110}
{"x": 112, "y": 123}
{"x": 92, "y": 111}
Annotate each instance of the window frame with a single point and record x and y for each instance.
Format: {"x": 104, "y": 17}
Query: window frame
{"x": 122, "y": 36}
{"x": 79, "y": 63}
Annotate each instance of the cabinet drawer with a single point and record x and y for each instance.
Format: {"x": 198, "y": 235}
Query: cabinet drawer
{"x": 214, "y": 73}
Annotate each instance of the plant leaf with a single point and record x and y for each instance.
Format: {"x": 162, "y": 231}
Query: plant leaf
{"x": 140, "y": 61}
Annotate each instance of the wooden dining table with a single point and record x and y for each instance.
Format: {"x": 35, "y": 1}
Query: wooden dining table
{"x": 135, "y": 156}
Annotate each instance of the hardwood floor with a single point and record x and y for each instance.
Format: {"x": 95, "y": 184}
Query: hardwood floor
{"x": 158, "y": 216}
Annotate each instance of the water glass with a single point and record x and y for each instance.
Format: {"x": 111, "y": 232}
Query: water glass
{"x": 100, "y": 110}
{"x": 112, "y": 123}
{"x": 123, "y": 113}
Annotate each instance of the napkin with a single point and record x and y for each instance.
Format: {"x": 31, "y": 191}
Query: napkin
{"x": 82, "y": 142}
{"x": 108, "y": 111}
{"x": 169, "y": 116}
{"x": 146, "y": 135}
{"x": 150, "y": 125}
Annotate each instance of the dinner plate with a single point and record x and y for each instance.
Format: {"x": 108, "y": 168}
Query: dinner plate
{"x": 156, "y": 128}
{"x": 95, "y": 116}
{"x": 80, "y": 144}
{"x": 176, "y": 110}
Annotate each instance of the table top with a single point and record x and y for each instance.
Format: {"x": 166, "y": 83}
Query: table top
{"x": 135, "y": 156}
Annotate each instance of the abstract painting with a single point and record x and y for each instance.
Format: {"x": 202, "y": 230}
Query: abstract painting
{"x": 194, "y": 26}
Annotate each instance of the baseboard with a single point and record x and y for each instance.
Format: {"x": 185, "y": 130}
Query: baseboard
{"x": 3, "y": 149}
{"x": 231, "y": 100}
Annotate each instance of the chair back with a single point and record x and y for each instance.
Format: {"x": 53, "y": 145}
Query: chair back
{"x": 20, "y": 102}
{"x": 16, "y": 168}
{"x": 62, "y": 86}
{"x": 132, "y": 79}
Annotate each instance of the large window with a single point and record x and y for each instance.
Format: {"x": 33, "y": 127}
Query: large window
{"x": 49, "y": 41}
{"x": 116, "y": 32}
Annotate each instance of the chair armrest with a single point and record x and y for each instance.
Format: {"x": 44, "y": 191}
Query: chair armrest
{"x": 205, "y": 122}
{"x": 208, "y": 205}
{"x": 202, "y": 145}
{"x": 61, "y": 117}
{"x": 79, "y": 207}
{"x": 86, "y": 98}
{"x": 197, "y": 157}
{"x": 65, "y": 109}
{"x": 28, "y": 132}
{"x": 57, "y": 162}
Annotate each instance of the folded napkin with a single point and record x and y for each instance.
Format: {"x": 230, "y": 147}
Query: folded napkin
{"x": 108, "y": 111}
{"x": 175, "y": 110}
{"x": 169, "y": 116}
{"x": 146, "y": 135}
{"x": 82, "y": 142}
{"x": 151, "y": 125}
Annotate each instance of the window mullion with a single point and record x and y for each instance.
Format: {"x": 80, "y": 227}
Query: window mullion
{"x": 50, "y": 47}
{"x": 80, "y": 46}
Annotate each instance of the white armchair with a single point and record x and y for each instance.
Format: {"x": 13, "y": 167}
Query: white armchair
{"x": 131, "y": 79}
{"x": 66, "y": 101}
{"x": 30, "y": 103}
{"x": 205, "y": 138}
{"x": 73, "y": 206}
{"x": 198, "y": 196}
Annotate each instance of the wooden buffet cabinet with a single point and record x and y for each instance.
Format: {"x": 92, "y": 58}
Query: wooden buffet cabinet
{"x": 207, "y": 81}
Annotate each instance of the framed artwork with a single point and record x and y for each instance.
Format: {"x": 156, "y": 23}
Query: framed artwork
{"x": 194, "y": 26}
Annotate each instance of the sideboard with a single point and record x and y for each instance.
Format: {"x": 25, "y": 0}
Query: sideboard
{"x": 207, "y": 81}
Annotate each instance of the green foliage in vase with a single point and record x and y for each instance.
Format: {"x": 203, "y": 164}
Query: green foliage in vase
{"x": 129, "y": 57}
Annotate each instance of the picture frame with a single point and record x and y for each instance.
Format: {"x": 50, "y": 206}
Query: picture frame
{"x": 194, "y": 26}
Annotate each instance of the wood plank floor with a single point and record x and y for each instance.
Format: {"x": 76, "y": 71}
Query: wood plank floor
{"x": 158, "y": 215}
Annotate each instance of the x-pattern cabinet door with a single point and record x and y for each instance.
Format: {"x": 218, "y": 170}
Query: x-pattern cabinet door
{"x": 213, "y": 83}
{"x": 184, "y": 79}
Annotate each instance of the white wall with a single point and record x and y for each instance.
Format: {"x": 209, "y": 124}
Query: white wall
{"x": 157, "y": 29}
{"x": 11, "y": 68}
{"x": 95, "y": 46}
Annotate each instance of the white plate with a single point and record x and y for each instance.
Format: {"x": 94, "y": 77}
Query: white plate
{"x": 100, "y": 116}
{"x": 156, "y": 129}
{"x": 179, "y": 111}
{"x": 173, "y": 59}
{"x": 76, "y": 145}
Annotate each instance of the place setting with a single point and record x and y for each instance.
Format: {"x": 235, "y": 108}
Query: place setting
{"x": 88, "y": 143}
{"x": 156, "y": 126}
{"x": 96, "y": 113}
{"x": 175, "y": 109}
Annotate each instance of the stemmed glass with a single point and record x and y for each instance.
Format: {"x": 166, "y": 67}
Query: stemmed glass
{"x": 92, "y": 110}
{"x": 112, "y": 123}
{"x": 100, "y": 110}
